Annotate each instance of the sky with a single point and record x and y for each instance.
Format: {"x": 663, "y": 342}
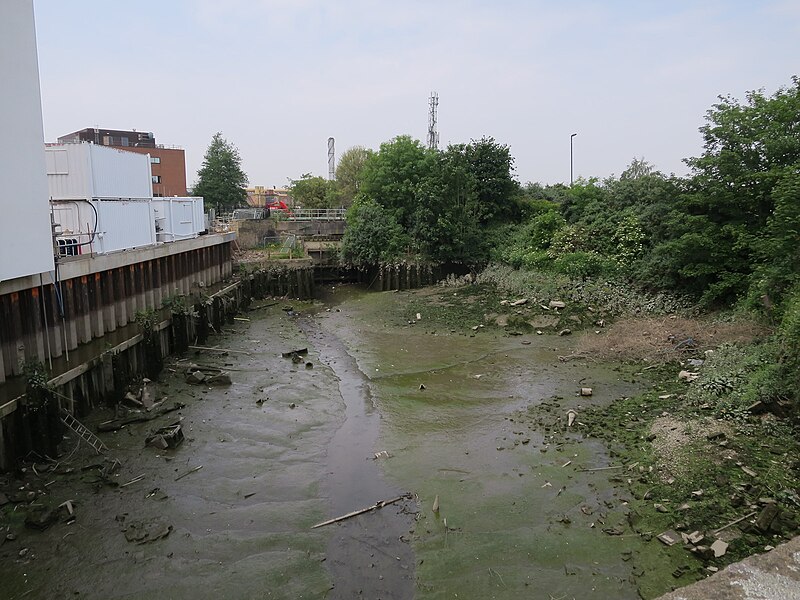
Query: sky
{"x": 278, "y": 77}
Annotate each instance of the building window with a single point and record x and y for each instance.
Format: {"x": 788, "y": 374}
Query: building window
{"x": 155, "y": 160}
{"x": 156, "y": 178}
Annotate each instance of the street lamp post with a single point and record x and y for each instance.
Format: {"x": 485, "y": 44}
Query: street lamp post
{"x": 570, "y": 158}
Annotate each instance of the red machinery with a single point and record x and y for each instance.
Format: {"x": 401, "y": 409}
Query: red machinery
{"x": 281, "y": 206}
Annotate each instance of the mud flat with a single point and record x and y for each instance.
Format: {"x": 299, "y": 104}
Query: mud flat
{"x": 287, "y": 445}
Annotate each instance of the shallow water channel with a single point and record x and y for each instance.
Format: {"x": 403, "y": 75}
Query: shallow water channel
{"x": 288, "y": 446}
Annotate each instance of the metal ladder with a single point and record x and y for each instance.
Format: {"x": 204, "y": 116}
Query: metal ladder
{"x": 83, "y": 433}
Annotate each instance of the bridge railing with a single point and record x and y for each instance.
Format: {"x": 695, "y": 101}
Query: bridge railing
{"x": 317, "y": 214}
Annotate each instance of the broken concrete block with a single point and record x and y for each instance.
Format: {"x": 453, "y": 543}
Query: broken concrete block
{"x": 766, "y": 516}
{"x": 719, "y": 548}
{"x": 669, "y": 537}
{"x": 222, "y": 378}
{"x": 696, "y": 537}
{"x": 195, "y": 377}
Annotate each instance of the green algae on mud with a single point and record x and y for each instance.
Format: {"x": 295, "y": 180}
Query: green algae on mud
{"x": 516, "y": 516}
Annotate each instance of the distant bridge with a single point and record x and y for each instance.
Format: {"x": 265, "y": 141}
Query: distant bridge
{"x": 294, "y": 214}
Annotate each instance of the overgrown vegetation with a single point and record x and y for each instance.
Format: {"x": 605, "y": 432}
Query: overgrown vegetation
{"x": 644, "y": 242}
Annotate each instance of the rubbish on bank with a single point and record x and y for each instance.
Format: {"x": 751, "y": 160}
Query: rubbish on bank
{"x": 382, "y": 454}
{"x": 565, "y": 332}
{"x": 435, "y": 507}
{"x": 422, "y": 386}
{"x": 189, "y": 472}
{"x": 688, "y": 376}
{"x": 355, "y": 513}
{"x": 586, "y": 391}
{"x": 557, "y": 304}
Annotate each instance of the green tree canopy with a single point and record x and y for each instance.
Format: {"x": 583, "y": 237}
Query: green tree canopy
{"x": 220, "y": 179}
{"x": 372, "y": 234}
{"x": 314, "y": 192}
{"x": 349, "y": 172}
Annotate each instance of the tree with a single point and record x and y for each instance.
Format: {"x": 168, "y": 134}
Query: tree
{"x": 372, "y": 235}
{"x": 392, "y": 176}
{"x": 491, "y": 165}
{"x": 221, "y": 180}
{"x": 313, "y": 192}
{"x": 349, "y": 172}
{"x": 751, "y": 155}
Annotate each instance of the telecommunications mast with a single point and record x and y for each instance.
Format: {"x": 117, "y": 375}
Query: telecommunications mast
{"x": 331, "y": 159}
{"x": 433, "y": 135}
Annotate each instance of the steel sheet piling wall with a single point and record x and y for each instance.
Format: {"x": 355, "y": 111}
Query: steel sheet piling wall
{"x": 95, "y": 304}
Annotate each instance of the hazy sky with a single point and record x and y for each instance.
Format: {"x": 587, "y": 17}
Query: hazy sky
{"x": 278, "y": 77}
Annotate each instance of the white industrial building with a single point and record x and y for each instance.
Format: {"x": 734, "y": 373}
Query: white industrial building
{"x": 102, "y": 201}
{"x": 26, "y": 246}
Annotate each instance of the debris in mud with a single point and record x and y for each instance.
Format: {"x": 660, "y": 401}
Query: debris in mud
{"x": 688, "y": 376}
{"x": 309, "y": 365}
{"x": 221, "y": 378}
{"x": 142, "y": 532}
{"x": 557, "y": 304}
{"x": 586, "y": 391}
{"x": 41, "y": 517}
{"x": 381, "y": 454}
{"x": 115, "y": 424}
{"x": 293, "y": 353}
{"x": 361, "y": 511}
{"x": 435, "y": 507}
{"x": 571, "y": 416}
{"x": 157, "y": 494}
{"x": 197, "y": 375}
{"x": 170, "y": 436}
{"x": 565, "y": 332}
{"x": 189, "y": 472}
{"x": 422, "y": 386}
{"x": 519, "y": 302}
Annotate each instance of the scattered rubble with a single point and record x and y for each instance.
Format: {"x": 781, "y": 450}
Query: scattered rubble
{"x": 170, "y": 436}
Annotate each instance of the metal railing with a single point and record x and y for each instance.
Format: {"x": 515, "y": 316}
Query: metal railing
{"x": 317, "y": 214}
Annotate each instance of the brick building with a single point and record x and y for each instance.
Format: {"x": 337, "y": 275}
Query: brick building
{"x": 168, "y": 165}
